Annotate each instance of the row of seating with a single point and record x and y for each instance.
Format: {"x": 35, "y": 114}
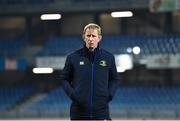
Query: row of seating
{"x": 11, "y": 47}
{"x": 148, "y": 97}
{"x": 55, "y": 103}
{"x": 116, "y": 45}
{"x": 11, "y": 96}
{"x": 127, "y": 99}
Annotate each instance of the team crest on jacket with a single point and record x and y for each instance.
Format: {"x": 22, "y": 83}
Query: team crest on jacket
{"x": 103, "y": 63}
{"x": 81, "y": 62}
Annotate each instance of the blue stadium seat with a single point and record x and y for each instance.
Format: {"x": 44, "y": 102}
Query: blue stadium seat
{"x": 146, "y": 99}
{"x": 55, "y": 102}
{"x": 11, "y": 96}
{"x": 11, "y": 47}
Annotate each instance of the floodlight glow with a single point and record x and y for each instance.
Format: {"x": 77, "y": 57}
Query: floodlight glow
{"x": 136, "y": 50}
{"x": 122, "y": 14}
{"x": 120, "y": 69}
{"x": 129, "y": 49}
{"x": 123, "y": 62}
{"x": 42, "y": 70}
{"x": 50, "y": 16}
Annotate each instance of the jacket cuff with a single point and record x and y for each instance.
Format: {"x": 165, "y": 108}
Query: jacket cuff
{"x": 72, "y": 96}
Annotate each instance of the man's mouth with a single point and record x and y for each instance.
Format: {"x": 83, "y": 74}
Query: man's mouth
{"x": 90, "y": 43}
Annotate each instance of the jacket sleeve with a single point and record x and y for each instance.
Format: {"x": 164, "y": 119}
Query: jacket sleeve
{"x": 66, "y": 78}
{"x": 114, "y": 79}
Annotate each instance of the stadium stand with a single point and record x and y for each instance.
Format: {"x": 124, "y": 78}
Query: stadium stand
{"x": 146, "y": 93}
{"x": 60, "y": 46}
{"x": 147, "y": 102}
{"x": 11, "y": 47}
{"x": 116, "y": 44}
{"x": 137, "y": 102}
{"x": 55, "y": 103}
{"x": 12, "y": 96}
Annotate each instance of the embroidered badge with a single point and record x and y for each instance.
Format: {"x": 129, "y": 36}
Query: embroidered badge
{"x": 102, "y": 63}
{"x": 81, "y": 63}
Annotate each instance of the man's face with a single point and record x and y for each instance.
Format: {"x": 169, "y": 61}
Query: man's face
{"x": 91, "y": 38}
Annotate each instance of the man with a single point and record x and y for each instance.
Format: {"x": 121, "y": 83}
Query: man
{"x": 90, "y": 78}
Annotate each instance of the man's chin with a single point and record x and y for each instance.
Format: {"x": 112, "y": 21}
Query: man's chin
{"x": 91, "y": 48}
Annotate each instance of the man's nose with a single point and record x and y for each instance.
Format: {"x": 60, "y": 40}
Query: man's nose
{"x": 91, "y": 38}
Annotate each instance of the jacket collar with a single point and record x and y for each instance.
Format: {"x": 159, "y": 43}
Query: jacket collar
{"x": 86, "y": 50}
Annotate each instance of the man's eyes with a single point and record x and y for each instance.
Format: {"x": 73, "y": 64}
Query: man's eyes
{"x": 91, "y": 35}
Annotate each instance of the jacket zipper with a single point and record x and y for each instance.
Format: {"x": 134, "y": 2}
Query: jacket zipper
{"x": 91, "y": 87}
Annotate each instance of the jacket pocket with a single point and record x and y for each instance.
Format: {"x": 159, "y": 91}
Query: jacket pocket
{"x": 78, "y": 100}
{"x": 74, "y": 98}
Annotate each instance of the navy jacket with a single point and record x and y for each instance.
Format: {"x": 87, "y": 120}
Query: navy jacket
{"x": 90, "y": 80}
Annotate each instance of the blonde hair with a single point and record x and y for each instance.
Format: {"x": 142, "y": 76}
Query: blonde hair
{"x": 92, "y": 26}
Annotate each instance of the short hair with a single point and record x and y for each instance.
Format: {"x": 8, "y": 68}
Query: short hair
{"x": 92, "y": 26}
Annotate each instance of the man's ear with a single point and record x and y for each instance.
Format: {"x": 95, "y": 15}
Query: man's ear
{"x": 100, "y": 37}
{"x": 83, "y": 37}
